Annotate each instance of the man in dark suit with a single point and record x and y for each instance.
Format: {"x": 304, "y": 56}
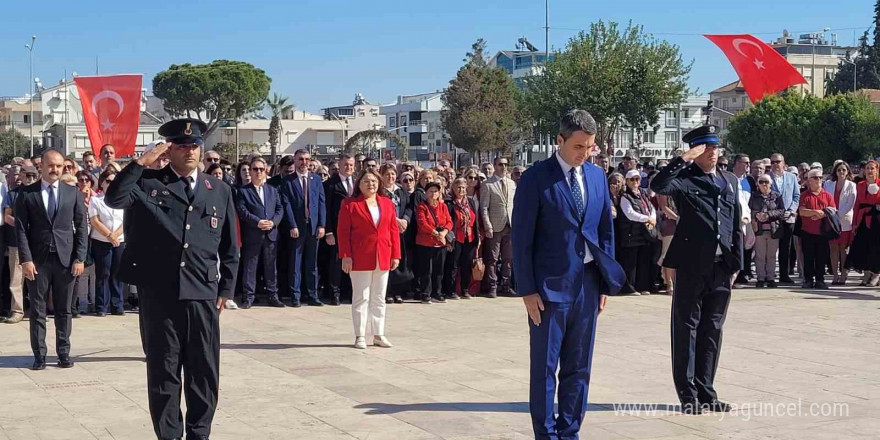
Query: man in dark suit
{"x": 260, "y": 210}
{"x": 336, "y": 189}
{"x": 51, "y": 224}
{"x": 706, "y": 251}
{"x": 563, "y": 247}
{"x": 185, "y": 271}
{"x": 286, "y": 167}
{"x": 305, "y": 209}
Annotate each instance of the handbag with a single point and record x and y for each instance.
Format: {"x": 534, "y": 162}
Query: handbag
{"x": 478, "y": 268}
{"x": 450, "y": 236}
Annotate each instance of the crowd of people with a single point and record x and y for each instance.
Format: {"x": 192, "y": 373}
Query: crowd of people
{"x": 311, "y": 231}
{"x": 820, "y": 222}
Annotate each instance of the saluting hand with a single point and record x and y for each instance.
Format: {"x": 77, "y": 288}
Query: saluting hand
{"x": 693, "y": 153}
{"x": 151, "y": 156}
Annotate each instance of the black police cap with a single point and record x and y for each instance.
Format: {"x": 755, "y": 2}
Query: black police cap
{"x": 706, "y": 134}
{"x": 183, "y": 131}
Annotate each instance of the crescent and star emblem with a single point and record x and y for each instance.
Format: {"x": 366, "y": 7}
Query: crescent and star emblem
{"x": 738, "y": 42}
{"x": 106, "y": 125}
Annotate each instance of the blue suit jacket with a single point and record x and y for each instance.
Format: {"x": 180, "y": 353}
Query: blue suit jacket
{"x": 549, "y": 239}
{"x": 251, "y": 210}
{"x": 294, "y": 202}
{"x": 790, "y": 191}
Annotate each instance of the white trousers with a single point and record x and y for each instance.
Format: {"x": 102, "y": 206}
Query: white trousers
{"x": 368, "y": 301}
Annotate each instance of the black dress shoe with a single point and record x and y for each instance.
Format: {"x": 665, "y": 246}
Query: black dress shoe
{"x": 786, "y": 281}
{"x": 759, "y": 285}
{"x": 771, "y": 284}
{"x": 295, "y": 304}
{"x": 75, "y": 315}
{"x": 65, "y": 362}
{"x": 820, "y": 286}
{"x": 118, "y": 313}
{"x": 334, "y": 301}
{"x": 39, "y": 363}
{"x": 716, "y": 406}
{"x": 275, "y": 302}
{"x": 245, "y": 305}
{"x": 100, "y": 314}
{"x": 691, "y": 408}
{"x": 316, "y": 303}
{"x": 807, "y": 285}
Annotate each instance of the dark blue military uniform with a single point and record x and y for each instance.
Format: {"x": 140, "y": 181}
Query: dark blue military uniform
{"x": 706, "y": 251}
{"x": 182, "y": 252}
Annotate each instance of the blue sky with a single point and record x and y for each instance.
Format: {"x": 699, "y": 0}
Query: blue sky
{"x": 320, "y": 53}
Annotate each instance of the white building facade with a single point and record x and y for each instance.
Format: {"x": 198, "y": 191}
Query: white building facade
{"x": 417, "y": 118}
{"x": 663, "y": 139}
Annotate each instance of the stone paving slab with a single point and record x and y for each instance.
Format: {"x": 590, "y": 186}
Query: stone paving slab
{"x": 459, "y": 371}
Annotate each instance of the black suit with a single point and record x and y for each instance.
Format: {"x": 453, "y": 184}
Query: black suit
{"x": 709, "y": 221}
{"x": 257, "y": 244}
{"x": 190, "y": 258}
{"x": 53, "y": 245}
{"x": 334, "y": 192}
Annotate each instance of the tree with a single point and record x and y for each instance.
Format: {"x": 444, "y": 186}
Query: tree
{"x": 619, "y": 76}
{"x": 481, "y": 112}
{"x": 807, "y": 128}
{"x": 867, "y": 64}
{"x": 210, "y": 92}
{"x": 365, "y": 139}
{"x": 12, "y": 142}
{"x": 227, "y": 149}
{"x": 279, "y": 107}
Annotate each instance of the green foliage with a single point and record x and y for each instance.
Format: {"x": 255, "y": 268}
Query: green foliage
{"x": 279, "y": 107}
{"x": 867, "y": 63}
{"x": 227, "y": 149}
{"x": 481, "y": 112}
{"x": 363, "y": 141}
{"x": 620, "y": 76}
{"x": 808, "y": 129}
{"x": 13, "y": 143}
{"x": 220, "y": 90}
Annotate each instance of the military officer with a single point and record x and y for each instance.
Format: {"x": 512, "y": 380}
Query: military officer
{"x": 706, "y": 250}
{"x": 184, "y": 263}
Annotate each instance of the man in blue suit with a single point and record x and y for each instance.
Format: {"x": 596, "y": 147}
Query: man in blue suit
{"x": 563, "y": 247}
{"x": 789, "y": 190}
{"x": 260, "y": 211}
{"x": 305, "y": 211}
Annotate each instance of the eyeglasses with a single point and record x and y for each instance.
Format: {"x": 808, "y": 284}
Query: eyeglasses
{"x": 408, "y": 180}
{"x": 68, "y": 167}
{"x": 502, "y": 164}
{"x": 213, "y": 159}
{"x": 764, "y": 182}
{"x": 471, "y": 178}
{"x": 722, "y": 165}
{"x": 258, "y": 169}
{"x": 775, "y": 161}
{"x": 81, "y": 179}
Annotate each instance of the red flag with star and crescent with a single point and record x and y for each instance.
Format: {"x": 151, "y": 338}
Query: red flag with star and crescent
{"x": 111, "y": 107}
{"x": 762, "y": 70}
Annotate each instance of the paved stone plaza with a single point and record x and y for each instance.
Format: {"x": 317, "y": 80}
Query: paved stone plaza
{"x": 460, "y": 371}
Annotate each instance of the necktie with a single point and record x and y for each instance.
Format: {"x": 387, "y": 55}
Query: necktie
{"x": 576, "y": 192}
{"x": 51, "y": 209}
{"x": 305, "y": 188}
{"x": 187, "y": 187}
{"x": 348, "y": 186}
{"x": 504, "y": 189}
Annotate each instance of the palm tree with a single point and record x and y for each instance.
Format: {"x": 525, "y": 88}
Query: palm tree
{"x": 279, "y": 107}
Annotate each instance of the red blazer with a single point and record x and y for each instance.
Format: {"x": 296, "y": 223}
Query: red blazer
{"x": 364, "y": 242}
{"x": 427, "y": 225}
{"x": 864, "y": 197}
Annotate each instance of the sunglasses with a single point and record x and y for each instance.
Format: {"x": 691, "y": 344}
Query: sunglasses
{"x": 213, "y": 159}
{"x": 722, "y": 165}
{"x": 408, "y": 180}
{"x": 81, "y": 179}
{"x": 775, "y": 161}
{"x": 471, "y": 178}
{"x": 502, "y": 164}
{"x": 763, "y": 183}
{"x": 258, "y": 169}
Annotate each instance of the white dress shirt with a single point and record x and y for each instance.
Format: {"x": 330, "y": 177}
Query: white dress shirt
{"x": 45, "y": 193}
{"x": 109, "y": 217}
{"x": 579, "y": 177}
{"x": 260, "y": 194}
{"x": 375, "y": 213}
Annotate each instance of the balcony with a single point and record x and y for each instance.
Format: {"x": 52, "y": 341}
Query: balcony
{"x": 417, "y": 126}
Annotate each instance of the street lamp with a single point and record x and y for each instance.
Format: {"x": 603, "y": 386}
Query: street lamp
{"x": 30, "y": 48}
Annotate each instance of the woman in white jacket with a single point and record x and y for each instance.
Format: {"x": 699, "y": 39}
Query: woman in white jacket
{"x": 842, "y": 188}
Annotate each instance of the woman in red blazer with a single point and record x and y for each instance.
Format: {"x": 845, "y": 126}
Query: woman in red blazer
{"x": 864, "y": 253}
{"x": 434, "y": 224}
{"x": 369, "y": 246}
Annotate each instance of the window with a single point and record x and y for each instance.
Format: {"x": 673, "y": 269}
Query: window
{"x": 671, "y": 118}
{"x": 523, "y": 61}
{"x": 403, "y": 121}
{"x": 361, "y": 113}
{"x": 648, "y": 137}
{"x": 82, "y": 143}
{"x": 144, "y": 139}
{"x": 671, "y": 139}
{"x": 392, "y": 122}
{"x": 345, "y": 111}
{"x": 291, "y": 137}
{"x": 724, "y": 104}
{"x": 686, "y": 114}
{"x": 27, "y": 119}
{"x": 505, "y": 62}
{"x": 325, "y": 138}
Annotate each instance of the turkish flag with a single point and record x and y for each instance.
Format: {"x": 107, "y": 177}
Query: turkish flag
{"x": 762, "y": 70}
{"x": 111, "y": 107}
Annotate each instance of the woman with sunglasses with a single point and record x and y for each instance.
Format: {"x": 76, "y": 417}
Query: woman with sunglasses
{"x": 473, "y": 182}
{"x": 84, "y": 284}
{"x": 842, "y": 188}
{"x": 399, "y": 280}
{"x": 864, "y": 254}
{"x": 615, "y": 188}
{"x": 107, "y": 245}
{"x": 767, "y": 209}
{"x": 634, "y": 232}
{"x": 814, "y": 201}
